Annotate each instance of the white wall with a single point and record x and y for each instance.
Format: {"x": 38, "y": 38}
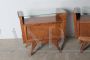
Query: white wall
{"x": 9, "y": 23}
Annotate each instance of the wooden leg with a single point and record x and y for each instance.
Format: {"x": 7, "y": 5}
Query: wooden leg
{"x": 84, "y": 45}
{"x": 34, "y": 44}
{"x": 55, "y": 42}
{"x": 28, "y": 42}
{"x": 81, "y": 47}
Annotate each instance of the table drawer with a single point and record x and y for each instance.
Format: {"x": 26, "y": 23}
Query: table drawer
{"x": 85, "y": 29}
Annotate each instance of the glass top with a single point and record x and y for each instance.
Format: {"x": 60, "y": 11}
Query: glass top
{"x": 43, "y": 12}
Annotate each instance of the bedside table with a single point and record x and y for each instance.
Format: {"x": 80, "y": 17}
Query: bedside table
{"x": 43, "y": 28}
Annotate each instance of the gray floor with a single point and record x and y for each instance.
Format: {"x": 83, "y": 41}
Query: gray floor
{"x": 11, "y": 49}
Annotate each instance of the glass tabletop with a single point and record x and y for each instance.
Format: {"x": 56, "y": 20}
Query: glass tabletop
{"x": 41, "y": 13}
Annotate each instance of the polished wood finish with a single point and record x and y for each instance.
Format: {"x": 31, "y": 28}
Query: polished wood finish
{"x": 23, "y": 28}
{"x": 76, "y": 25}
{"x": 82, "y": 30}
{"x": 34, "y": 33}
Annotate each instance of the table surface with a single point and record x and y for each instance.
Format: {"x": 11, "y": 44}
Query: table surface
{"x": 44, "y": 12}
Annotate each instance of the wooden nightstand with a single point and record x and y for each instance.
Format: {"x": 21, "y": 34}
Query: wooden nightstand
{"x": 82, "y": 29}
{"x": 43, "y": 29}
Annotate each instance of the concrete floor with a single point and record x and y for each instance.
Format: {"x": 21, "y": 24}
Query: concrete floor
{"x": 13, "y": 49}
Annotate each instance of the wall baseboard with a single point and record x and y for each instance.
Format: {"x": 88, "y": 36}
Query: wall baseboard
{"x": 11, "y": 39}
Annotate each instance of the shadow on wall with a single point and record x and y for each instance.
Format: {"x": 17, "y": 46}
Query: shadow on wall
{"x": 69, "y": 24}
{"x": 14, "y": 33}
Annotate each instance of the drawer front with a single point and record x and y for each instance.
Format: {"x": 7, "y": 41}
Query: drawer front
{"x": 39, "y": 31}
{"x": 42, "y": 31}
{"x": 85, "y": 29}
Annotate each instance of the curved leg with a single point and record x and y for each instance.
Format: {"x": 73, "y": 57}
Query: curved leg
{"x": 84, "y": 45}
{"x": 34, "y": 44}
{"x": 55, "y": 43}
